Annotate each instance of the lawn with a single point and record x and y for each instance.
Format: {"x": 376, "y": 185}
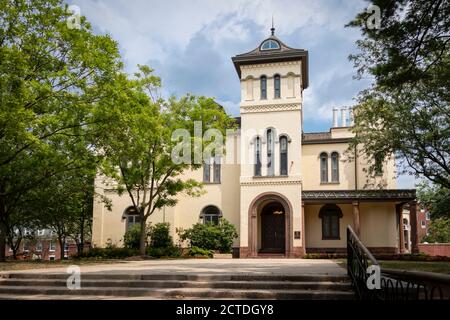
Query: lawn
{"x": 429, "y": 266}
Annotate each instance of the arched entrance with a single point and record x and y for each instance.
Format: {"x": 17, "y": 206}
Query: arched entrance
{"x": 273, "y": 228}
{"x": 269, "y": 225}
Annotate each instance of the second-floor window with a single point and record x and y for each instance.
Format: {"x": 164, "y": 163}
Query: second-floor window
{"x": 263, "y": 87}
{"x": 283, "y": 156}
{"x": 270, "y": 155}
{"x": 277, "y": 85}
{"x": 378, "y": 164}
{"x": 323, "y": 167}
{"x": 216, "y": 168}
{"x": 335, "y": 167}
{"x": 206, "y": 172}
{"x": 257, "y": 157}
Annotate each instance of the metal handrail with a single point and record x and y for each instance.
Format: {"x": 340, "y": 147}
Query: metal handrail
{"x": 394, "y": 284}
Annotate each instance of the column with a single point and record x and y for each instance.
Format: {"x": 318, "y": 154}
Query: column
{"x": 413, "y": 222}
{"x": 356, "y": 224}
{"x": 401, "y": 244}
{"x": 303, "y": 228}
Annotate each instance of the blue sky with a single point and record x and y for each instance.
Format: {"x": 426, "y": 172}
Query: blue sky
{"x": 190, "y": 45}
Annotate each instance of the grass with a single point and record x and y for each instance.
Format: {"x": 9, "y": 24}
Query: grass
{"x": 429, "y": 266}
{"x": 29, "y": 265}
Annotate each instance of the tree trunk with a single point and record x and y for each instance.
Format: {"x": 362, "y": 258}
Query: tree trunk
{"x": 143, "y": 236}
{"x": 61, "y": 248}
{"x": 80, "y": 247}
{"x": 3, "y": 230}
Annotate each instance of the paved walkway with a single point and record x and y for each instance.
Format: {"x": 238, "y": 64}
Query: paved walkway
{"x": 210, "y": 266}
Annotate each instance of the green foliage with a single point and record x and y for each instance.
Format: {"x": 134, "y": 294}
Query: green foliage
{"x": 211, "y": 237}
{"x": 160, "y": 236}
{"x": 405, "y": 112}
{"x": 159, "y": 252}
{"x": 131, "y": 239}
{"x": 438, "y": 231}
{"x": 436, "y": 199}
{"x": 199, "y": 252}
{"x": 108, "y": 253}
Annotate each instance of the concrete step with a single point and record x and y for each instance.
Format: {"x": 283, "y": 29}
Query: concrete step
{"x": 101, "y": 283}
{"x": 180, "y": 293}
{"x": 180, "y": 277}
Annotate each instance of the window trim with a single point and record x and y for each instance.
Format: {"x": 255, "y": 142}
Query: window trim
{"x": 257, "y": 153}
{"x": 277, "y": 78}
{"x": 278, "y": 47}
{"x": 335, "y": 161}
{"x": 270, "y": 152}
{"x": 283, "y": 137}
{"x": 323, "y": 168}
{"x": 263, "y": 89}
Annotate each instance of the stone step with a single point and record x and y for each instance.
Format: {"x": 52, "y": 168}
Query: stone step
{"x": 180, "y": 277}
{"x": 180, "y": 293}
{"x": 100, "y": 283}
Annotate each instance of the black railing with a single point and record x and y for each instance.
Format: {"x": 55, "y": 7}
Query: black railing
{"x": 394, "y": 284}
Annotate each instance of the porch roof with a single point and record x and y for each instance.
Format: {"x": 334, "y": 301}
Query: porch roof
{"x": 348, "y": 196}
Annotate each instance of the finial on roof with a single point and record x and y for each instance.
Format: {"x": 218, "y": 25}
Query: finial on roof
{"x": 273, "y": 28}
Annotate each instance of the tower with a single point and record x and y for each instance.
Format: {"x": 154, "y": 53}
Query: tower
{"x": 273, "y": 77}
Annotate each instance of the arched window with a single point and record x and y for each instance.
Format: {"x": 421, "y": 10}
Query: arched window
{"x": 330, "y": 215}
{"x": 270, "y": 155}
{"x": 257, "y": 157}
{"x": 263, "y": 87}
{"x": 270, "y": 45}
{"x": 211, "y": 214}
{"x": 217, "y": 167}
{"x": 283, "y": 156}
{"x": 206, "y": 172}
{"x": 323, "y": 167}
{"x": 335, "y": 167}
{"x": 277, "y": 85}
{"x": 132, "y": 218}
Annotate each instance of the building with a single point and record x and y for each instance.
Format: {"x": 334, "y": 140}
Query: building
{"x": 287, "y": 191}
{"x": 423, "y": 222}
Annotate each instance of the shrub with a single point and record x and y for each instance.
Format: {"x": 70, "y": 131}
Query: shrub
{"x": 211, "y": 237}
{"x": 108, "y": 253}
{"x": 160, "y": 236}
{"x": 199, "y": 252}
{"x": 131, "y": 238}
{"x": 159, "y": 252}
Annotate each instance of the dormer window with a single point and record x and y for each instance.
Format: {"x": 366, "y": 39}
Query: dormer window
{"x": 270, "y": 45}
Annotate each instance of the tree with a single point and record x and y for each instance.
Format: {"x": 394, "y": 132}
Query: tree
{"x": 406, "y": 110}
{"x": 138, "y": 149}
{"x": 439, "y": 231}
{"x": 436, "y": 199}
{"x": 52, "y": 77}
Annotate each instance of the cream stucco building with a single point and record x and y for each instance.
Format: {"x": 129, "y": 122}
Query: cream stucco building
{"x": 287, "y": 192}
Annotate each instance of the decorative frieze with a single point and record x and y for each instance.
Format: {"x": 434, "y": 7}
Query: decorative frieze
{"x": 270, "y": 108}
{"x": 270, "y": 183}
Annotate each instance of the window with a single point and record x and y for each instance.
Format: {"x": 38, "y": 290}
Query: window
{"x": 378, "y": 164}
{"x": 211, "y": 214}
{"x": 258, "y": 157}
{"x": 270, "y": 146}
{"x": 323, "y": 167}
{"x": 335, "y": 167}
{"x": 52, "y": 246}
{"x": 263, "y": 81}
{"x": 66, "y": 246}
{"x": 270, "y": 45}
{"x": 217, "y": 167}
{"x": 283, "y": 156}
{"x": 423, "y": 224}
{"x": 51, "y": 258}
{"x": 427, "y": 216}
{"x": 41, "y": 232}
{"x": 206, "y": 172}
{"x": 26, "y": 246}
{"x": 39, "y": 246}
{"x": 132, "y": 217}
{"x": 330, "y": 215}
{"x": 277, "y": 86}
{"x": 27, "y": 232}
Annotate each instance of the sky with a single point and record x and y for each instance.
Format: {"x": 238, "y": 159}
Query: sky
{"x": 189, "y": 44}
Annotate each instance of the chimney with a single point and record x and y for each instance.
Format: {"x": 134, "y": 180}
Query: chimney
{"x": 335, "y": 118}
{"x": 352, "y": 117}
{"x": 344, "y": 117}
